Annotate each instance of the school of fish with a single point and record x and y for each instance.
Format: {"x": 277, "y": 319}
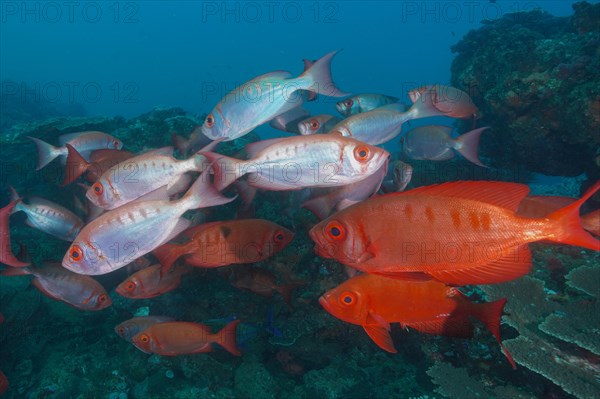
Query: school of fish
{"x": 407, "y": 252}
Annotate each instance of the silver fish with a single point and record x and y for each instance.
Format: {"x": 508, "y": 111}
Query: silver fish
{"x": 318, "y": 124}
{"x": 293, "y": 163}
{"x": 122, "y": 235}
{"x": 140, "y": 175}
{"x": 48, "y": 217}
{"x": 363, "y": 103}
{"x": 265, "y": 97}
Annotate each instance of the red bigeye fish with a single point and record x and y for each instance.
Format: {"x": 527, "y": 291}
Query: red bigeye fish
{"x": 435, "y": 144}
{"x": 451, "y": 101}
{"x": 182, "y": 338}
{"x": 262, "y": 282}
{"x": 292, "y": 163}
{"x": 288, "y": 121}
{"x": 124, "y": 234}
{"x": 224, "y": 243}
{"x": 382, "y": 124}
{"x": 140, "y": 175}
{"x": 363, "y": 103}
{"x": 81, "y": 292}
{"x": 130, "y": 328}
{"x": 265, "y": 97}
{"x": 100, "y": 162}
{"x": 459, "y": 233}
{"x": 48, "y": 217}
{"x": 83, "y": 142}
{"x": 539, "y": 206}
{"x": 346, "y": 196}
{"x": 6, "y": 255}
{"x": 150, "y": 282}
{"x": 318, "y": 124}
{"x": 428, "y": 306}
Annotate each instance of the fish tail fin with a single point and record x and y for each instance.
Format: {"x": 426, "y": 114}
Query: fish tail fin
{"x": 569, "y": 229}
{"x": 287, "y": 290}
{"x": 199, "y": 159}
{"x": 204, "y": 194}
{"x": 320, "y": 78}
{"x": 490, "y": 314}
{"x": 181, "y": 143}
{"x": 424, "y": 107}
{"x": 76, "y": 165}
{"x": 6, "y": 255}
{"x": 46, "y": 152}
{"x": 226, "y": 169}
{"x": 167, "y": 254}
{"x": 227, "y": 338}
{"x": 14, "y": 195}
{"x": 321, "y": 206}
{"x": 246, "y": 193}
{"x": 468, "y": 146}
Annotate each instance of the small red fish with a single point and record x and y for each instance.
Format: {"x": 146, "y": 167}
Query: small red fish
{"x": 262, "y": 282}
{"x": 3, "y": 383}
{"x": 130, "y": 328}
{"x": 431, "y": 307}
{"x": 459, "y": 233}
{"x": 451, "y": 101}
{"x": 224, "y": 243}
{"x": 181, "y": 338}
{"x": 6, "y": 255}
{"x": 150, "y": 282}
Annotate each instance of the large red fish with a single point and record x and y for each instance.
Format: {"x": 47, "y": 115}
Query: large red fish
{"x": 374, "y": 302}
{"x": 130, "y": 328}
{"x": 6, "y": 255}
{"x": 180, "y": 338}
{"x": 224, "y": 243}
{"x": 460, "y": 233}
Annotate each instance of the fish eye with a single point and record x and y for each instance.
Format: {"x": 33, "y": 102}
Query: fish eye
{"x": 335, "y": 230}
{"x": 121, "y": 331}
{"x": 98, "y": 188}
{"x": 76, "y": 254}
{"x": 349, "y": 103}
{"x": 144, "y": 338}
{"x": 102, "y": 298}
{"x": 314, "y": 124}
{"x": 279, "y": 236}
{"x": 115, "y": 143}
{"x": 361, "y": 153}
{"x": 348, "y": 298}
{"x": 130, "y": 286}
{"x": 210, "y": 121}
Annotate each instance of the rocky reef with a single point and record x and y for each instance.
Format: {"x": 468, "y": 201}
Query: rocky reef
{"x": 536, "y": 80}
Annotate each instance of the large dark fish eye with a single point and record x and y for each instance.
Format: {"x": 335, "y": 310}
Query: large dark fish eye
{"x": 76, "y": 254}
{"x": 102, "y": 298}
{"x": 278, "y": 237}
{"x": 98, "y": 189}
{"x": 314, "y": 124}
{"x": 349, "y": 103}
{"x": 347, "y": 298}
{"x": 210, "y": 121}
{"x": 335, "y": 230}
{"x": 144, "y": 338}
{"x": 130, "y": 286}
{"x": 361, "y": 153}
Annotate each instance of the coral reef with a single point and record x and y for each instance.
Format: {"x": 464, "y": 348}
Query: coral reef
{"x": 542, "y": 96}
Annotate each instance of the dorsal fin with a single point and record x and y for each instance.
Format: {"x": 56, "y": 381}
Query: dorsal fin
{"x": 503, "y": 194}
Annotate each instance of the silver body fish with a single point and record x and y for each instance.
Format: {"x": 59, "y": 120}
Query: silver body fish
{"x": 122, "y": 235}
{"x": 318, "y": 124}
{"x": 265, "y": 97}
{"x": 293, "y": 163}
{"x": 363, "y": 103}
{"x": 140, "y": 175}
{"x": 49, "y": 217}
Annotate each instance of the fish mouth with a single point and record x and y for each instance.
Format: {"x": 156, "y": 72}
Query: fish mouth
{"x": 324, "y": 303}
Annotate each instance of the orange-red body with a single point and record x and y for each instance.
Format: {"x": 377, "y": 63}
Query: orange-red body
{"x": 224, "y": 243}
{"x": 459, "y": 233}
{"x": 151, "y": 282}
{"x": 429, "y": 306}
{"x": 180, "y": 338}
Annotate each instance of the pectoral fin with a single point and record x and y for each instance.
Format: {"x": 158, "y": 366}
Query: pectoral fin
{"x": 379, "y": 331}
